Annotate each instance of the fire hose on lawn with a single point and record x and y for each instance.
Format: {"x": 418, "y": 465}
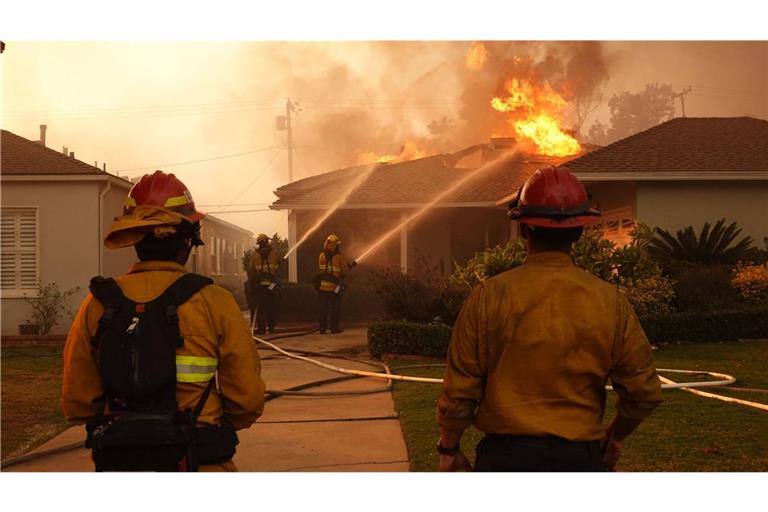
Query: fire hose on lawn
{"x": 724, "y": 379}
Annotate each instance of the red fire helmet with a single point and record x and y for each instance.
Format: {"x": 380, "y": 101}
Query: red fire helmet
{"x": 161, "y": 189}
{"x": 554, "y": 198}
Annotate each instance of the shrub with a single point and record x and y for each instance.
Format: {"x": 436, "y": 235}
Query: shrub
{"x": 49, "y": 306}
{"x": 421, "y": 295}
{"x": 710, "y": 247}
{"x": 703, "y": 326}
{"x": 650, "y": 296}
{"x": 298, "y": 302}
{"x": 704, "y": 287}
{"x": 490, "y": 262}
{"x": 751, "y": 281}
{"x": 401, "y": 337}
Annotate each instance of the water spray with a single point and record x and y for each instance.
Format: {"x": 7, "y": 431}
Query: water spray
{"x": 351, "y": 187}
{"x": 471, "y": 175}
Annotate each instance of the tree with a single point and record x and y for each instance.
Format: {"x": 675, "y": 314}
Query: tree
{"x": 635, "y": 112}
{"x": 584, "y": 105}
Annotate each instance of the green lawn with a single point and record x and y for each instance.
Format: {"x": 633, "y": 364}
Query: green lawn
{"x": 686, "y": 433}
{"x": 31, "y": 390}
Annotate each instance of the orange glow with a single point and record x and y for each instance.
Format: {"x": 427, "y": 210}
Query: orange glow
{"x": 476, "y": 56}
{"x": 410, "y": 151}
{"x": 535, "y": 112}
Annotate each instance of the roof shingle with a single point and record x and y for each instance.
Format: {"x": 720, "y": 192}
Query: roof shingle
{"x": 685, "y": 144}
{"x": 412, "y": 182}
{"x": 23, "y": 156}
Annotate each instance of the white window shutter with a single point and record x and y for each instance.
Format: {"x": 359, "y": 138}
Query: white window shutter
{"x": 19, "y": 249}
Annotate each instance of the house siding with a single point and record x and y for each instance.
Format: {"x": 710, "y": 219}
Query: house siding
{"x": 68, "y": 231}
{"x": 675, "y": 205}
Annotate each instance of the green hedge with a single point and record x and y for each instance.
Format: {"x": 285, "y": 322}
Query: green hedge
{"x": 401, "y": 337}
{"x": 696, "y": 326}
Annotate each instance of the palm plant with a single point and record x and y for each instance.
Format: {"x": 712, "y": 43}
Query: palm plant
{"x": 711, "y": 247}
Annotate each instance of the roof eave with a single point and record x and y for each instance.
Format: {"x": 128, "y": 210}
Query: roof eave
{"x": 671, "y": 176}
{"x": 385, "y": 206}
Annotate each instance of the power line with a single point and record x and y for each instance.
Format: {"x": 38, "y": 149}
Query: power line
{"x": 197, "y": 161}
{"x": 254, "y": 180}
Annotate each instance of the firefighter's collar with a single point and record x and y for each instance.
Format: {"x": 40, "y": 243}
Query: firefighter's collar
{"x": 144, "y": 266}
{"x": 550, "y": 257}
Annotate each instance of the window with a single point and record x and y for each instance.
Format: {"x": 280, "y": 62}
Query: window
{"x": 19, "y": 234}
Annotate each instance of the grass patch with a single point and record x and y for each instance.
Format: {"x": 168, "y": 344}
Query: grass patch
{"x": 30, "y": 410}
{"x": 686, "y": 433}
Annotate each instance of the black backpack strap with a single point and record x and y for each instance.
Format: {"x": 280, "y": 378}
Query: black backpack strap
{"x": 180, "y": 292}
{"x": 200, "y": 403}
{"x": 106, "y": 291}
{"x": 109, "y": 294}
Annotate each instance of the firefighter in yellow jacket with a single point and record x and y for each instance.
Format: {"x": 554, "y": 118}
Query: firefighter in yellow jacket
{"x": 333, "y": 268}
{"x": 263, "y": 271}
{"x": 533, "y": 347}
{"x": 160, "y": 363}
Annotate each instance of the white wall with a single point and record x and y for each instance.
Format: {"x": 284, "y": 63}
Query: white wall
{"x": 68, "y": 239}
{"x": 116, "y": 261}
{"x": 675, "y": 205}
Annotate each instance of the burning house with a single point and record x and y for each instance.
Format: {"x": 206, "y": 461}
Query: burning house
{"x": 685, "y": 171}
{"x": 467, "y": 219}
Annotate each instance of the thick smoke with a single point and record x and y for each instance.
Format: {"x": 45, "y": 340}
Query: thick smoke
{"x": 379, "y": 96}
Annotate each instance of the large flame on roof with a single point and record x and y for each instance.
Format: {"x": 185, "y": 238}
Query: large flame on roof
{"x": 411, "y": 150}
{"x": 535, "y": 112}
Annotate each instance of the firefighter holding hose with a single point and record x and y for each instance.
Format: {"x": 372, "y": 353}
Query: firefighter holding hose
{"x": 330, "y": 283}
{"x": 263, "y": 282}
{"x": 533, "y": 347}
{"x": 159, "y": 363}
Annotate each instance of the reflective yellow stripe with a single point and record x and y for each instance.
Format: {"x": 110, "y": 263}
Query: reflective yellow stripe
{"x": 331, "y": 268}
{"x": 176, "y": 201}
{"x": 197, "y": 360}
{"x": 194, "y": 377}
{"x": 195, "y": 368}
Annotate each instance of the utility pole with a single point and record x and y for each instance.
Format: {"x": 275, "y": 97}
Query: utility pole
{"x": 681, "y": 95}
{"x": 288, "y": 109}
{"x": 283, "y": 124}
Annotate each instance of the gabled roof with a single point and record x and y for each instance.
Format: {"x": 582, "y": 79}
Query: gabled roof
{"x": 693, "y": 145}
{"x": 412, "y": 183}
{"x": 20, "y": 156}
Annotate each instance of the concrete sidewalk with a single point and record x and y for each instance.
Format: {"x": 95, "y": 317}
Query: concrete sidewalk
{"x": 339, "y": 433}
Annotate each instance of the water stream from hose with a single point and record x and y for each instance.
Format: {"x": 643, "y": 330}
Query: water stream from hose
{"x": 464, "y": 180}
{"x": 353, "y": 185}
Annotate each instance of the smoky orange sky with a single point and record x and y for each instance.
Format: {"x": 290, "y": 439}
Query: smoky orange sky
{"x": 141, "y": 106}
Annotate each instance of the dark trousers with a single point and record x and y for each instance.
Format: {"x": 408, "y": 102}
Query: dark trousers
{"x": 265, "y": 308}
{"x": 330, "y": 310}
{"x": 527, "y": 453}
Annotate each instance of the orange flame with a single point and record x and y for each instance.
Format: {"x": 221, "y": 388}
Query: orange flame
{"x": 535, "y": 111}
{"x": 409, "y": 151}
{"x": 476, "y": 56}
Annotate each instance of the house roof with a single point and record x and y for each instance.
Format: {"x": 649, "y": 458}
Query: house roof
{"x": 222, "y": 222}
{"x": 20, "y": 156}
{"x": 412, "y": 183}
{"x": 685, "y": 145}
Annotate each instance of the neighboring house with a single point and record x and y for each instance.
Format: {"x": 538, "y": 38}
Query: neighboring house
{"x": 221, "y": 256}
{"x": 686, "y": 171}
{"x": 55, "y": 212}
{"x": 466, "y": 220}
